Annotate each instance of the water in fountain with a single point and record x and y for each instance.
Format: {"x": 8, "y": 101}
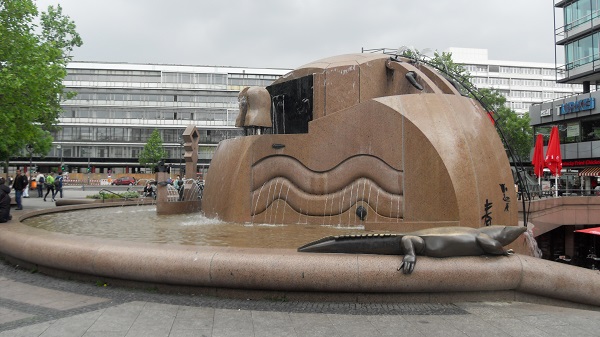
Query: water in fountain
{"x": 141, "y": 223}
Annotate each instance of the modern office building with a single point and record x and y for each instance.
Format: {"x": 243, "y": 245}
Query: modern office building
{"x": 522, "y": 83}
{"x": 578, "y": 120}
{"x": 577, "y": 29}
{"x": 118, "y": 105}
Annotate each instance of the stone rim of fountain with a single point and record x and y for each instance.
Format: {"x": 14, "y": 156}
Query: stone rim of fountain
{"x": 257, "y": 272}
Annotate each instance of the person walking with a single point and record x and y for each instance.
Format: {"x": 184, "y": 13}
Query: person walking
{"x": 19, "y": 185}
{"x": 49, "y": 186}
{"x": 26, "y": 189}
{"x": 58, "y": 185}
{"x": 40, "y": 185}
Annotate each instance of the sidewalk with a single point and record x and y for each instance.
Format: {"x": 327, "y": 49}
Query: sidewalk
{"x": 32, "y": 304}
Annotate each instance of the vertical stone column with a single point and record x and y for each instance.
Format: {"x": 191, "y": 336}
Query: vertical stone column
{"x": 191, "y": 136}
{"x": 161, "y": 187}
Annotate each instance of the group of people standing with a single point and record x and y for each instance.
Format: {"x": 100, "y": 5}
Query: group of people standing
{"x": 53, "y": 182}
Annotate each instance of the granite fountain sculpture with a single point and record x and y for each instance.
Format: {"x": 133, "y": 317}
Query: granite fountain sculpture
{"x": 362, "y": 139}
{"x": 356, "y": 139}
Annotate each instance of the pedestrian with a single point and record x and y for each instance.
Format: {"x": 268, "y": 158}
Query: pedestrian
{"x": 58, "y": 185}
{"x": 179, "y": 186}
{"x": 26, "y": 190}
{"x": 19, "y": 185}
{"x": 148, "y": 191}
{"x": 40, "y": 185}
{"x": 49, "y": 186}
{"x": 4, "y": 201}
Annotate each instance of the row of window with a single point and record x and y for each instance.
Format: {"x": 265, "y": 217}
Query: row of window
{"x": 140, "y": 135}
{"x": 510, "y": 94}
{"x": 152, "y": 114}
{"x": 134, "y": 76}
{"x": 519, "y": 105}
{"x": 580, "y": 12}
{"x": 510, "y": 70}
{"x": 223, "y": 97}
{"x": 585, "y": 130}
{"x": 83, "y": 152}
{"x": 582, "y": 51}
{"x": 524, "y": 83}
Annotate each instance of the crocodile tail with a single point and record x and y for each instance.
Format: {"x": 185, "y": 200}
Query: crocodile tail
{"x": 325, "y": 239}
{"x": 336, "y": 244}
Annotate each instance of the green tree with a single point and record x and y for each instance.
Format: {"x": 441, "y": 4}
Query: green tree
{"x": 33, "y": 62}
{"x": 153, "y": 151}
{"x": 517, "y": 131}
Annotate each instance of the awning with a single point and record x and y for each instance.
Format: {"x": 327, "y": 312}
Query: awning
{"x": 594, "y": 231}
{"x": 590, "y": 172}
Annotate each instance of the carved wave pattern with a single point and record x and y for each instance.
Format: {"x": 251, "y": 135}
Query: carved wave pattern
{"x": 357, "y": 180}
{"x": 334, "y": 179}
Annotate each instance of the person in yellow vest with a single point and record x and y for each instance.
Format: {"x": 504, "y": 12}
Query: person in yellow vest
{"x": 49, "y": 186}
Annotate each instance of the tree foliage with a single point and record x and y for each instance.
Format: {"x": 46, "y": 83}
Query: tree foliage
{"x": 516, "y": 130}
{"x": 153, "y": 151}
{"x": 33, "y": 60}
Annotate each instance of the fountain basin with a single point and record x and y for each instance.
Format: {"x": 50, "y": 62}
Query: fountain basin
{"x": 260, "y": 272}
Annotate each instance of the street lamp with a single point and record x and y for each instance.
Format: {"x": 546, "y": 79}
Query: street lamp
{"x": 29, "y": 148}
{"x": 59, "y": 147}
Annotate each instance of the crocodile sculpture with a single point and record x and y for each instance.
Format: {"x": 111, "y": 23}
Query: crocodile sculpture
{"x": 432, "y": 242}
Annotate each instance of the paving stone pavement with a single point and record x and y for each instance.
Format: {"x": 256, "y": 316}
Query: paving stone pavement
{"x": 32, "y": 304}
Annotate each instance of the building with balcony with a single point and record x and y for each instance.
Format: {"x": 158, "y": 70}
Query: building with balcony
{"x": 118, "y": 105}
{"x": 521, "y": 83}
{"x": 577, "y": 31}
{"x": 577, "y": 28}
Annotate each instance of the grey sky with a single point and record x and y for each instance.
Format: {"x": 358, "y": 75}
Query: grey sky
{"x": 290, "y": 33}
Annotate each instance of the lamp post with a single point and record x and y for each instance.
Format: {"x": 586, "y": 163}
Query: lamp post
{"x": 59, "y": 147}
{"x": 30, "y": 150}
{"x": 89, "y": 169}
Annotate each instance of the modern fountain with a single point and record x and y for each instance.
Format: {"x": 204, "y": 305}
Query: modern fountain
{"x": 369, "y": 140}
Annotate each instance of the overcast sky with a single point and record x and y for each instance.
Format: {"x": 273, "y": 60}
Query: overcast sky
{"x": 290, "y": 33}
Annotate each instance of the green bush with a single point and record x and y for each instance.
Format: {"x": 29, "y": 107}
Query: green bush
{"x": 106, "y": 195}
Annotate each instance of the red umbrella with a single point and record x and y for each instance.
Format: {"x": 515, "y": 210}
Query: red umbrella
{"x": 538, "y": 156}
{"x": 594, "y": 231}
{"x": 553, "y": 157}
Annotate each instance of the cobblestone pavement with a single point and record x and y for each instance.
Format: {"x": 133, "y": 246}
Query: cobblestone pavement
{"x": 32, "y": 304}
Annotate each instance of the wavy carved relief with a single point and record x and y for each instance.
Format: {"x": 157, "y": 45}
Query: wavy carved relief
{"x": 361, "y": 179}
{"x": 334, "y": 179}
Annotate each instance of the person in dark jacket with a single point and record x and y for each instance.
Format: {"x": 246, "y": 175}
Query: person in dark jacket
{"x": 4, "y": 201}
{"x": 19, "y": 185}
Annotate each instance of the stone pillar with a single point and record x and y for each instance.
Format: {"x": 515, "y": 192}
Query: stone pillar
{"x": 161, "y": 187}
{"x": 191, "y": 136}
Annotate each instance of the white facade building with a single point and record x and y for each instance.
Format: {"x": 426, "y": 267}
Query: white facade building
{"x": 522, "y": 83}
{"x": 119, "y": 105}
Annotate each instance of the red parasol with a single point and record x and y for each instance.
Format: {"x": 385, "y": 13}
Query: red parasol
{"x": 594, "y": 231}
{"x": 538, "y": 156}
{"x": 553, "y": 159}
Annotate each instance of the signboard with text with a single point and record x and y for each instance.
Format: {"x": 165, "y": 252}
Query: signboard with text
{"x": 577, "y": 106}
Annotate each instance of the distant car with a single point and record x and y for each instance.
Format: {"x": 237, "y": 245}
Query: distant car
{"x": 124, "y": 181}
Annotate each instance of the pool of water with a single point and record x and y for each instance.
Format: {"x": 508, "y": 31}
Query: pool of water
{"x": 141, "y": 223}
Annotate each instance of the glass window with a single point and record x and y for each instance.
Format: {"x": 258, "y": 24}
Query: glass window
{"x": 102, "y": 134}
{"x": 582, "y": 51}
{"x": 67, "y": 133}
{"x": 118, "y": 134}
{"x": 590, "y": 129}
{"x": 86, "y": 133}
